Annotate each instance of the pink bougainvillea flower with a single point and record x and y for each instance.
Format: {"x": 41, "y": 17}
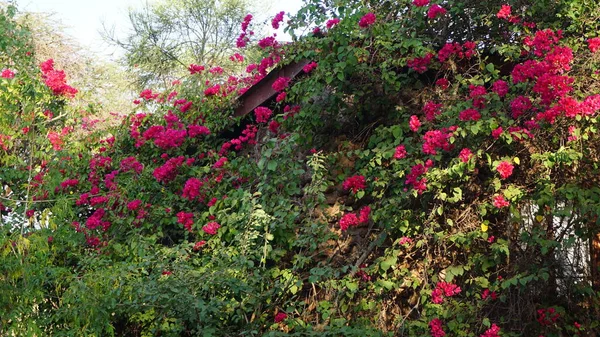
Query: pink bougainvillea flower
{"x": 277, "y": 20}
{"x": 186, "y": 219}
{"x": 133, "y": 205}
{"x": 436, "y": 328}
{"x": 443, "y": 83}
{"x": 500, "y": 87}
{"x": 310, "y": 67}
{"x": 405, "y": 240}
{"x": 195, "y": 69}
{"x": 7, "y": 73}
{"x": 435, "y": 11}
{"x": 56, "y": 80}
{"x": 348, "y": 220}
{"x": 281, "y": 83}
{"x": 505, "y": 169}
{"x": 280, "y": 317}
{"x": 493, "y": 331}
{"x": 364, "y": 215}
{"x": 268, "y": 41}
{"x": 355, "y": 183}
{"x": 504, "y": 12}
{"x": 211, "y": 228}
{"x": 469, "y": 115}
{"x": 489, "y": 294}
{"x": 414, "y": 123}
{"x": 400, "y": 152}
{"x": 281, "y": 96}
{"x": 594, "y": 44}
{"x": 500, "y": 202}
{"x": 332, "y": 22}
{"x": 465, "y": 155}
{"x": 56, "y": 140}
{"x": 419, "y": 64}
{"x": 199, "y": 245}
{"x": 262, "y": 114}
{"x": 420, "y": 3}
{"x": 367, "y": 20}
{"x": 497, "y": 132}
{"x": 274, "y": 126}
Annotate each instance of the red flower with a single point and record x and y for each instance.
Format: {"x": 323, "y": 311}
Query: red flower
{"x": 199, "y": 245}
{"x": 436, "y": 139}
{"x": 310, "y": 67}
{"x": 277, "y": 20}
{"x": 7, "y": 73}
{"x": 442, "y": 83}
{"x": 191, "y": 189}
{"x": 280, "y": 97}
{"x": 262, "y": 114}
{"x": 364, "y": 214}
{"x": 405, "y": 240}
{"x": 414, "y": 123}
{"x": 400, "y": 152}
{"x": 355, "y": 183}
{"x": 519, "y": 106}
{"x": 436, "y": 328}
{"x": 195, "y": 69}
{"x": 281, "y": 83}
{"x": 55, "y": 139}
{"x": 432, "y": 109}
{"x": 186, "y": 219}
{"x": 500, "y": 202}
{"x": 487, "y": 294}
{"x": 505, "y": 169}
{"x": 348, "y": 220}
{"x": 594, "y": 44}
{"x": 465, "y": 155}
{"x": 211, "y": 228}
{"x": 504, "y": 12}
{"x": 497, "y": 132}
{"x": 492, "y": 331}
{"x": 420, "y": 3}
{"x": 281, "y": 316}
{"x": 469, "y": 115}
{"x": 435, "y": 11}
{"x": 500, "y": 87}
{"x": 419, "y": 64}
{"x": 367, "y": 20}
{"x": 274, "y": 126}
{"x": 332, "y": 22}
{"x": 267, "y": 42}
{"x": 133, "y": 205}
{"x": 212, "y": 90}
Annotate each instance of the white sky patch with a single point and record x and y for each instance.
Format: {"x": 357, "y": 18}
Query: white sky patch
{"x": 84, "y": 19}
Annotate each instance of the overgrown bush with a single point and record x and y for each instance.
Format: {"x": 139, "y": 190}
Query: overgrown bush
{"x": 433, "y": 170}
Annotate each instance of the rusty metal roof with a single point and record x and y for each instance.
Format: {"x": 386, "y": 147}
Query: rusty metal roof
{"x": 263, "y": 91}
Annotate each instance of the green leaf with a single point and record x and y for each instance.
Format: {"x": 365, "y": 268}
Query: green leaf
{"x": 387, "y": 263}
{"x": 386, "y": 284}
{"x": 272, "y": 165}
{"x": 453, "y": 271}
{"x": 352, "y": 286}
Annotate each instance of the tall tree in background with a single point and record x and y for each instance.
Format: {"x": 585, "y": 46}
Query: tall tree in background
{"x": 105, "y": 88}
{"x": 169, "y": 35}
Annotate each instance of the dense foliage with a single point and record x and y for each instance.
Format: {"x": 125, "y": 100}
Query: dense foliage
{"x": 432, "y": 171}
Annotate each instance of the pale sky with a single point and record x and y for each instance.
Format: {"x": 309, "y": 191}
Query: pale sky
{"x": 83, "y": 18}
